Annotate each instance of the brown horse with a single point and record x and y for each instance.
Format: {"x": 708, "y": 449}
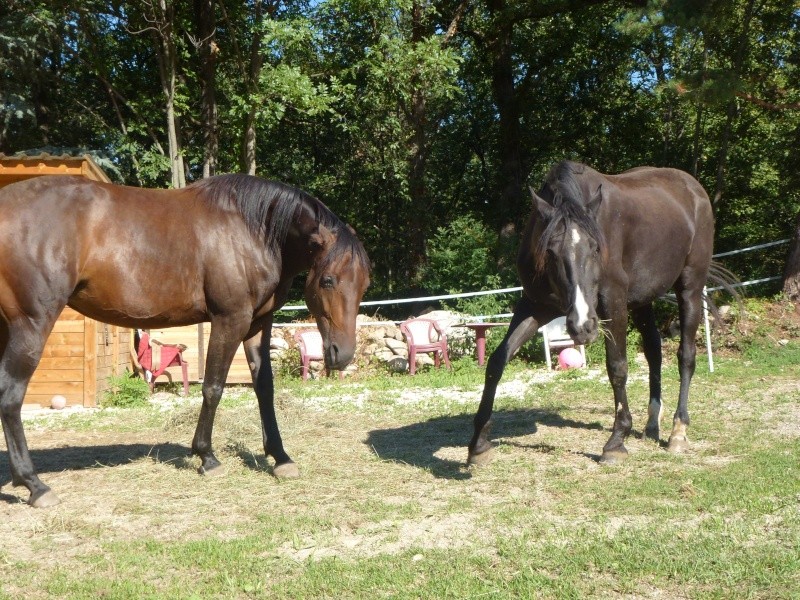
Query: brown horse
{"x": 596, "y": 247}
{"x": 224, "y": 250}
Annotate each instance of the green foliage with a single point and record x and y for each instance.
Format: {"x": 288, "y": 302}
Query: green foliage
{"x": 390, "y": 111}
{"x": 126, "y": 391}
{"x": 461, "y": 257}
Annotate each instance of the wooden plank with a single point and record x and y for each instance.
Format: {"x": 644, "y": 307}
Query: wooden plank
{"x": 60, "y": 362}
{"x": 62, "y": 350}
{"x": 42, "y": 375}
{"x": 115, "y": 333}
{"x": 65, "y": 339}
{"x": 41, "y": 399}
{"x": 65, "y": 388}
{"x": 70, "y": 314}
{"x": 68, "y": 326}
{"x": 90, "y": 366}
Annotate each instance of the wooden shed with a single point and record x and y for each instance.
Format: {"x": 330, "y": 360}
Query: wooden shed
{"x": 80, "y": 353}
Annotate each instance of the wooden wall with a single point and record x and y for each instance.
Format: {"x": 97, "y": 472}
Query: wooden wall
{"x": 78, "y": 358}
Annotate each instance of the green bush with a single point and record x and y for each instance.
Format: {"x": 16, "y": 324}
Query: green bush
{"x": 126, "y": 391}
{"x": 462, "y": 256}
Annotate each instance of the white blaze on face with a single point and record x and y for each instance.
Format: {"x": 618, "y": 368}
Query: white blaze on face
{"x": 581, "y": 307}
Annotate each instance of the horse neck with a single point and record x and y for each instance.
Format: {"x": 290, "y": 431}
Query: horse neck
{"x": 295, "y": 250}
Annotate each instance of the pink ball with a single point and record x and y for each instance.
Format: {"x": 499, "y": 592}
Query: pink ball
{"x": 58, "y": 402}
{"x": 569, "y": 358}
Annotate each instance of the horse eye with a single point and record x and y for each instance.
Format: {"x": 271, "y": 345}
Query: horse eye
{"x": 326, "y": 282}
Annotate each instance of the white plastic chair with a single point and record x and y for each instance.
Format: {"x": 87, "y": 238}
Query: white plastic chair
{"x": 556, "y": 337}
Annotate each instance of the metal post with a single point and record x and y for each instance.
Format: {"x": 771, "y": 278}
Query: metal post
{"x": 708, "y": 333}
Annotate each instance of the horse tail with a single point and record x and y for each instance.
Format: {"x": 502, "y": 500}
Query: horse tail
{"x": 721, "y": 279}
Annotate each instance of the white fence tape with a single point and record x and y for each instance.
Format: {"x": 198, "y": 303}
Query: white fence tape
{"x": 519, "y": 289}
{"x": 759, "y": 247}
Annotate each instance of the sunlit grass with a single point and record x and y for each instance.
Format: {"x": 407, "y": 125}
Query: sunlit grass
{"x": 387, "y": 507}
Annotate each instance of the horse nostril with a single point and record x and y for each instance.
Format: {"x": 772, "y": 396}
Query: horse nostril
{"x": 333, "y": 354}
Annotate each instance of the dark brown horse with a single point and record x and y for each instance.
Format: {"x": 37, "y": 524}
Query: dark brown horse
{"x": 224, "y": 250}
{"x": 596, "y": 247}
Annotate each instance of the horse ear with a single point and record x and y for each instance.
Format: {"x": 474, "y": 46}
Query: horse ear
{"x": 542, "y": 208}
{"x": 594, "y": 204}
{"x": 320, "y": 240}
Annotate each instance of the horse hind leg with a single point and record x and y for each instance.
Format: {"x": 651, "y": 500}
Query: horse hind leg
{"x": 690, "y": 307}
{"x": 645, "y": 322}
{"x": 22, "y": 345}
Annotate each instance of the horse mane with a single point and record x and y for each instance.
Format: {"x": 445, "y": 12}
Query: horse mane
{"x": 563, "y": 191}
{"x": 268, "y": 209}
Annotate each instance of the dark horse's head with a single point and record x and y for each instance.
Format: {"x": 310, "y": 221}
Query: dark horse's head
{"x": 569, "y": 248}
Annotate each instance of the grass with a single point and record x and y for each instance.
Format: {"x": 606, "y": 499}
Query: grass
{"x": 387, "y": 508}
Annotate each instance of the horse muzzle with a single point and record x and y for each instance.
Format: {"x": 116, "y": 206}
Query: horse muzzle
{"x": 336, "y": 357}
{"x": 583, "y": 333}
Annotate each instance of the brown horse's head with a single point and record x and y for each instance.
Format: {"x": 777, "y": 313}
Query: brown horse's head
{"x": 569, "y": 253}
{"x": 336, "y": 282}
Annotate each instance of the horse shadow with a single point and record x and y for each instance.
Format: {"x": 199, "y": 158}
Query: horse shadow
{"x": 418, "y": 444}
{"x": 73, "y": 458}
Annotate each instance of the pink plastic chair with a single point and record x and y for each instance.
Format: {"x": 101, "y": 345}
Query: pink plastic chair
{"x": 424, "y": 335}
{"x": 310, "y": 343}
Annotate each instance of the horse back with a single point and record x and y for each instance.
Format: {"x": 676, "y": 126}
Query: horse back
{"x": 659, "y": 228}
{"x": 127, "y": 255}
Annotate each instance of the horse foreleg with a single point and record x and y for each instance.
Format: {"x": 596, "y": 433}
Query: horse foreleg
{"x": 21, "y": 348}
{"x": 523, "y": 327}
{"x": 226, "y": 335}
{"x": 690, "y": 311}
{"x": 617, "y": 367}
{"x": 257, "y": 351}
{"x": 645, "y": 321}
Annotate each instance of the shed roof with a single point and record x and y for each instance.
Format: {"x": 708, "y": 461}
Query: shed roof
{"x": 21, "y": 166}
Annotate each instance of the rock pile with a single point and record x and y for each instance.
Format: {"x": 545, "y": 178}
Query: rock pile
{"x": 382, "y": 343}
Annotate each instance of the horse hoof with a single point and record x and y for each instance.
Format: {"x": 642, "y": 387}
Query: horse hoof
{"x": 212, "y": 471}
{"x": 678, "y": 445}
{"x": 287, "y": 470}
{"x": 613, "y": 457}
{"x": 480, "y": 459}
{"x": 654, "y": 435}
{"x": 45, "y": 500}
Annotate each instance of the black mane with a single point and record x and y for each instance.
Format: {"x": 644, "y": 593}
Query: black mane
{"x": 562, "y": 189}
{"x": 268, "y": 209}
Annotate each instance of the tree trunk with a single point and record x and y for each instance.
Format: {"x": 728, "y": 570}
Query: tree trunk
{"x": 249, "y": 143}
{"x": 512, "y": 202}
{"x": 731, "y": 109}
{"x": 418, "y": 156}
{"x": 208, "y": 51}
{"x": 791, "y": 272}
{"x": 253, "y": 75}
{"x": 162, "y": 20}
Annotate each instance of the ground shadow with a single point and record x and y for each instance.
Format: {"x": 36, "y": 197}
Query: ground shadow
{"x": 55, "y": 460}
{"x": 418, "y": 443}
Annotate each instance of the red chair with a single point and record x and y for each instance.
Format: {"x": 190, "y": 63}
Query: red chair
{"x": 424, "y": 335}
{"x": 154, "y": 358}
{"x": 309, "y": 341}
